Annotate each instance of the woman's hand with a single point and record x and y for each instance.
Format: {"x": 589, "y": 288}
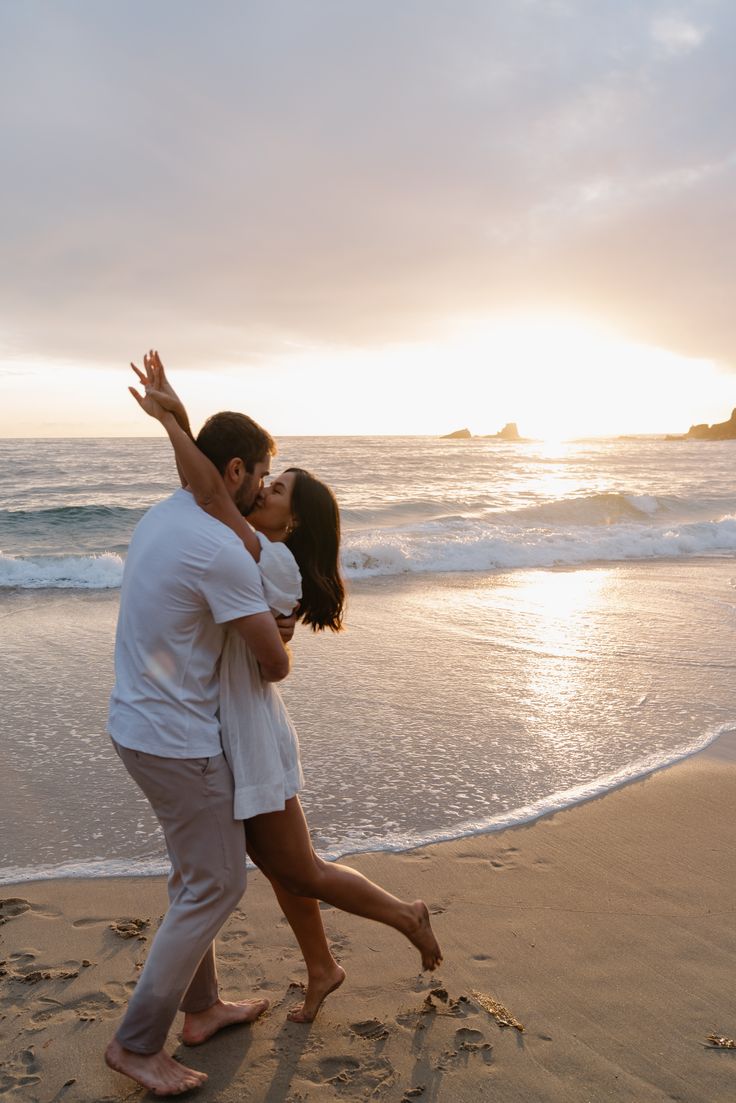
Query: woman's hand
{"x": 153, "y": 378}
{"x": 286, "y": 626}
{"x": 149, "y": 403}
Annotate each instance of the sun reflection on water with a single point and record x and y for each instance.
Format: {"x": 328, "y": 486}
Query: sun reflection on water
{"x": 561, "y": 613}
{"x": 554, "y": 638}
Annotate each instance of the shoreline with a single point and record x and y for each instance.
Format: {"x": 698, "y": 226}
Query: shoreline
{"x": 606, "y": 929}
{"x": 720, "y": 744}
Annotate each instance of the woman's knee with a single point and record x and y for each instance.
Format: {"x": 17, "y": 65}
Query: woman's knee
{"x": 305, "y": 881}
{"x": 257, "y": 859}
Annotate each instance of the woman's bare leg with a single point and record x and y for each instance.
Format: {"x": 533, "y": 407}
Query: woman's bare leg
{"x": 284, "y": 848}
{"x": 324, "y": 974}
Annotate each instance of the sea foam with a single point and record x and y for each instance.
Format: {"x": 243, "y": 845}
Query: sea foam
{"x": 483, "y": 546}
{"x": 443, "y": 545}
{"x": 68, "y": 572}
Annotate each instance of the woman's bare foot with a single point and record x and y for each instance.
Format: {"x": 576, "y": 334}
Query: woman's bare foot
{"x": 158, "y": 1072}
{"x": 318, "y": 989}
{"x": 419, "y": 932}
{"x": 199, "y": 1026}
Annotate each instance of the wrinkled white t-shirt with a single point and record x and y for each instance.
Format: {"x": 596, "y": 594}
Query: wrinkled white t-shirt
{"x": 185, "y": 576}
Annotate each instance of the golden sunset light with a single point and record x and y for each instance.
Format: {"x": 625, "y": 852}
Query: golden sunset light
{"x": 368, "y": 550}
{"x": 557, "y": 377}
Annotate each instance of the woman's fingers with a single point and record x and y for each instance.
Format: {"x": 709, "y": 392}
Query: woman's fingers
{"x": 135, "y": 394}
{"x": 162, "y": 397}
{"x": 159, "y": 373}
{"x": 148, "y": 362}
{"x": 153, "y": 379}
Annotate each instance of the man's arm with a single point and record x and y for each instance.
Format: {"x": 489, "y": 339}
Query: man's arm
{"x": 261, "y": 634}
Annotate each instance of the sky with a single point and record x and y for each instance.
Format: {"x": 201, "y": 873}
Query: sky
{"x": 369, "y": 216}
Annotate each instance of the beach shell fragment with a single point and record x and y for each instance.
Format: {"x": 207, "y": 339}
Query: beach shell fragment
{"x": 497, "y": 1011}
{"x": 717, "y": 1041}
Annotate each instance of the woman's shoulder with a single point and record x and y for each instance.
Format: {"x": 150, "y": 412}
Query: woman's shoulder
{"x": 282, "y": 581}
{"x": 274, "y": 551}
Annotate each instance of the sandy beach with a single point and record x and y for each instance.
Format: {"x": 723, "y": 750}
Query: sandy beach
{"x": 607, "y": 931}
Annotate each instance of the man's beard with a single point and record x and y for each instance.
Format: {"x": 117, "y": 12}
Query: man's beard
{"x": 246, "y": 500}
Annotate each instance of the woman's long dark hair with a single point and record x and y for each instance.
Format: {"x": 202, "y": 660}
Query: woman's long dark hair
{"x": 315, "y": 544}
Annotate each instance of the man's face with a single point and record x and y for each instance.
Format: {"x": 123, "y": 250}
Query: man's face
{"x": 249, "y": 491}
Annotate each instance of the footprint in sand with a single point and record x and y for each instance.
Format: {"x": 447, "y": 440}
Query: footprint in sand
{"x": 19, "y": 1070}
{"x": 338, "y": 1070}
{"x": 468, "y": 1038}
{"x": 365, "y": 1076}
{"x": 105, "y": 1004}
{"x": 371, "y": 1029}
{"x": 505, "y": 858}
{"x": 468, "y": 1042}
{"x": 13, "y": 906}
{"x": 235, "y": 934}
{"x": 23, "y": 968}
{"x": 439, "y": 1002}
{"x": 36, "y": 975}
{"x": 130, "y": 928}
{"x": 22, "y": 957}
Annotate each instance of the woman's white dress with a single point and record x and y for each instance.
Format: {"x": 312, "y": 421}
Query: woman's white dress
{"x": 258, "y": 737}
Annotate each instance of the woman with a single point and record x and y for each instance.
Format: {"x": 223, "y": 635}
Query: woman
{"x": 296, "y": 547}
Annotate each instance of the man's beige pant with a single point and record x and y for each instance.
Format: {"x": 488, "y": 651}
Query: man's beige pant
{"x": 193, "y": 801}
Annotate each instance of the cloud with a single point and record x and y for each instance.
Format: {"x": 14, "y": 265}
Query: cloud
{"x": 234, "y": 180}
{"x": 677, "y": 35}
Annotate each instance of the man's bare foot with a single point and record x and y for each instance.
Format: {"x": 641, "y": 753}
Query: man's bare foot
{"x": 158, "y": 1072}
{"x": 419, "y": 931}
{"x": 318, "y": 989}
{"x": 199, "y": 1026}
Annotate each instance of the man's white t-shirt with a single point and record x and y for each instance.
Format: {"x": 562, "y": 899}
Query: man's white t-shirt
{"x": 185, "y": 575}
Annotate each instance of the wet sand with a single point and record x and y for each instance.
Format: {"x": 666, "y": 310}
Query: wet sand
{"x": 606, "y": 930}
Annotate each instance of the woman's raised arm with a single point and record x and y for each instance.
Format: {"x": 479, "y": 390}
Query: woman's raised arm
{"x": 196, "y": 471}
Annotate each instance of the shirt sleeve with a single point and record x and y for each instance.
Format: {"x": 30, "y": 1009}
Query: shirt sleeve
{"x": 231, "y": 585}
{"x": 282, "y": 582}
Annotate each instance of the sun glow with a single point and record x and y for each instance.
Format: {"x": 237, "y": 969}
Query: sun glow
{"x": 557, "y": 377}
{"x": 561, "y": 377}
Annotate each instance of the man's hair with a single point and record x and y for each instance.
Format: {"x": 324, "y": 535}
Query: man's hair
{"x": 227, "y": 435}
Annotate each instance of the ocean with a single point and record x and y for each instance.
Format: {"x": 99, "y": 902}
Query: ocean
{"x": 528, "y": 625}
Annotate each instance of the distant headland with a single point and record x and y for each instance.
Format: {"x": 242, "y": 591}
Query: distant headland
{"x": 510, "y": 432}
{"x": 722, "y": 430}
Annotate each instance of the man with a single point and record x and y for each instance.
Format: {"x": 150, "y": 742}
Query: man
{"x": 187, "y": 577}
